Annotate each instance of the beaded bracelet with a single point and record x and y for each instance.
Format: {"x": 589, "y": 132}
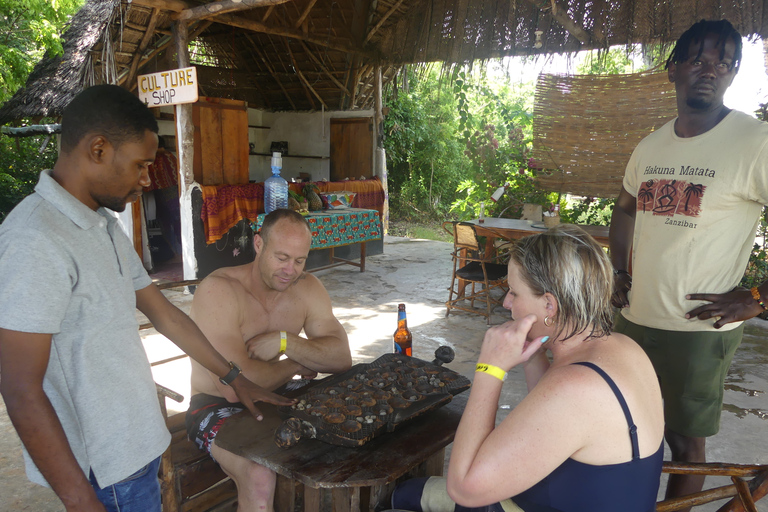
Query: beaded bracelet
{"x": 491, "y": 370}
{"x": 283, "y": 342}
{"x": 756, "y": 296}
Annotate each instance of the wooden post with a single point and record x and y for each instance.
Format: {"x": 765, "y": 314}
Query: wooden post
{"x": 185, "y": 148}
{"x": 380, "y": 163}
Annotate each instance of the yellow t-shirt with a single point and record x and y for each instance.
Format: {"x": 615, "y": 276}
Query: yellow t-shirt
{"x": 698, "y": 204}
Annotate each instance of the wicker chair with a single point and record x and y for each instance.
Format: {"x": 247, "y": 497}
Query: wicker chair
{"x": 471, "y": 266}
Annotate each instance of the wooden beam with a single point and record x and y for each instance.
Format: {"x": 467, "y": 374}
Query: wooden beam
{"x": 382, "y": 20}
{"x": 324, "y": 69}
{"x": 271, "y": 71}
{"x": 560, "y": 14}
{"x": 33, "y": 129}
{"x": 163, "y": 5}
{"x": 713, "y": 468}
{"x": 184, "y": 126}
{"x": 346, "y": 81}
{"x": 304, "y": 14}
{"x": 355, "y": 81}
{"x": 744, "y": 494}
{"x": 143, "y": 45}
{"x": 253, "y": 79}
{"x": 224, "y": 6}
{"x": 334, "y": 43}
{"x": 377, "y": 111}
{"x": 267, "y": 14}
{"x": 198, "y": 29}
{"x": 359, "y": 24}
{"x": 758, "y": 488}
{"x": 185, "y": 145}
{"x": 304, "y": 81}
{"x": 697, "y": 498}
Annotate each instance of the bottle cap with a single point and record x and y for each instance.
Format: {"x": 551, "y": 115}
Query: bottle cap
{"x": 277, "y": 159}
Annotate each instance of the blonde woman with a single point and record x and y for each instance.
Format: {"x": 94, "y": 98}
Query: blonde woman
{"x": 588, "y": 436}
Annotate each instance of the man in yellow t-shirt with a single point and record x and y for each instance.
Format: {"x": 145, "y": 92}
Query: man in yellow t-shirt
{"x": 687, "y": 212}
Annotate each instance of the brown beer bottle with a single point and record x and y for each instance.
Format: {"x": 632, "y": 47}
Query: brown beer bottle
{"x": 403, "y": 337}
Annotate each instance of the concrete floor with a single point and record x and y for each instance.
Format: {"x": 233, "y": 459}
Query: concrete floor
{"x": 417, "y": 273}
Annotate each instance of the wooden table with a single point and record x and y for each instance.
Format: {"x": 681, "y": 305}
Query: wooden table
{"x": 514, "y": 229}
{"x": 351, "y": 479}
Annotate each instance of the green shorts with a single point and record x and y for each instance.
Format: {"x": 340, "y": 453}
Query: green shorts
{"x": 691, "y": 367}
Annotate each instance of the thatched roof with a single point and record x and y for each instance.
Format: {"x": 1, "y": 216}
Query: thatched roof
{"x": 312, "y": 54}
{"x": 55, "y": 81}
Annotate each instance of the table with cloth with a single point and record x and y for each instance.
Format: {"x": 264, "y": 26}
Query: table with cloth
{"x": 336, "y": 228}
{"x": 226, "y": 205}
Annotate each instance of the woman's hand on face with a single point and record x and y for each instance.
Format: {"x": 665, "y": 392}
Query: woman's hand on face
{"x": 507, "y": 345}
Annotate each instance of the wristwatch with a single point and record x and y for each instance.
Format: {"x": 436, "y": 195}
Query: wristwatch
{"x": 234, "y": 371}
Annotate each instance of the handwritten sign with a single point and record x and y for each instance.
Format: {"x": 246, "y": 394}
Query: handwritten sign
{"x": 171, "y": 87}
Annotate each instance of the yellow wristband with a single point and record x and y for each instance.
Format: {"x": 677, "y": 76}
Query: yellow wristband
{"x": 283, "y": 342}
{"x": 491, "y": 370}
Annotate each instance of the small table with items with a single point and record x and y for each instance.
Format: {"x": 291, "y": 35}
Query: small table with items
{"x": 515, "y": 229}
{"x": 336, "y": 228}
{"x": 358, "y": 471}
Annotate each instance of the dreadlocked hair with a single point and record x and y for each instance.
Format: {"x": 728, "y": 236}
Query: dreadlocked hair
{"x": 698, "y": 32}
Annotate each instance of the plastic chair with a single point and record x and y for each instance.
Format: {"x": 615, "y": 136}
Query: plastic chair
{"x": 471, "y": 265}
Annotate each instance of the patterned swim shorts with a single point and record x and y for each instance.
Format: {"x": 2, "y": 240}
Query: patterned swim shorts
{"x": 205, "y": 417}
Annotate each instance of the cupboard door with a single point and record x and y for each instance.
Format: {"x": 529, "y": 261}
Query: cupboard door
{"x": 234, "y": 146}
{"x": 221, "y": 142}
{"x": 351, "y": 148}
{"x": 211, "y": 146}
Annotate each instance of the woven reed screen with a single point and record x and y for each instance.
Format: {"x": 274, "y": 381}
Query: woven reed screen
{"x": 585, "y": 127}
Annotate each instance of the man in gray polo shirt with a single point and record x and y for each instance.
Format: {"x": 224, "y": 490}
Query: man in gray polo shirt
{"x": 75, "y": 378}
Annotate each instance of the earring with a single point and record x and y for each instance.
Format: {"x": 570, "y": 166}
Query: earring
{"x": 548, "y": 321}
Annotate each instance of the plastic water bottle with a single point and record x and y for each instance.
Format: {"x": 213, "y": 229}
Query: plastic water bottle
{"x": 275, "y": 187}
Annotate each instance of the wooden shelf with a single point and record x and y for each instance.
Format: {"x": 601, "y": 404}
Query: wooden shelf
{"x": 292, "y": 156}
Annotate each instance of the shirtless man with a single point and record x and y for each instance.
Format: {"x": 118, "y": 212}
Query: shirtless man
{"x": 252, "y": 314}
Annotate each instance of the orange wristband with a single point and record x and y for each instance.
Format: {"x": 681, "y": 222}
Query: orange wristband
{"x": 756, "y": 296}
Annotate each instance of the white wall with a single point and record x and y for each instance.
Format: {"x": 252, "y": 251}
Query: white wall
{"x": 308, "y": 134}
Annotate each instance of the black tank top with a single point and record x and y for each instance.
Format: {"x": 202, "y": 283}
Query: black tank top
{"x": 577, "y": 487}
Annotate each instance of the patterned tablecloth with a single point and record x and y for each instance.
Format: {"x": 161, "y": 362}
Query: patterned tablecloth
{"x": 334, "y": 228}
{"x": 226, "y": 205}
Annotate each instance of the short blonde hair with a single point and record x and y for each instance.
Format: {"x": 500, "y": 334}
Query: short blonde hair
{"x": 566, "y": 262}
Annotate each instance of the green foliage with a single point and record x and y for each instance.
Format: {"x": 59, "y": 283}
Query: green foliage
{"x": 496, "y": 129}
{"x": 29, "y": 29}
{"x": 757, "y": 267}
{"x": 606, "y": 62}
{"x": 589, "y": 210}
{"x": 20, "y": 166}
{"x": 424, "y": 156}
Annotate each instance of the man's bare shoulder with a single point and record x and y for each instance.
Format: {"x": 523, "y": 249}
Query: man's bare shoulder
{"x": 226, "y": 282}
{"x": 309, "y": 284}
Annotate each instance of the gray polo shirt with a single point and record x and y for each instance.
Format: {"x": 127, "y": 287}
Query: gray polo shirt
{"x": 71, "y": 272}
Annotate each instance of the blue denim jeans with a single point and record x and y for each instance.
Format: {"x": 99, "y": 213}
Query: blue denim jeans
{"x": 140, "y": 492}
